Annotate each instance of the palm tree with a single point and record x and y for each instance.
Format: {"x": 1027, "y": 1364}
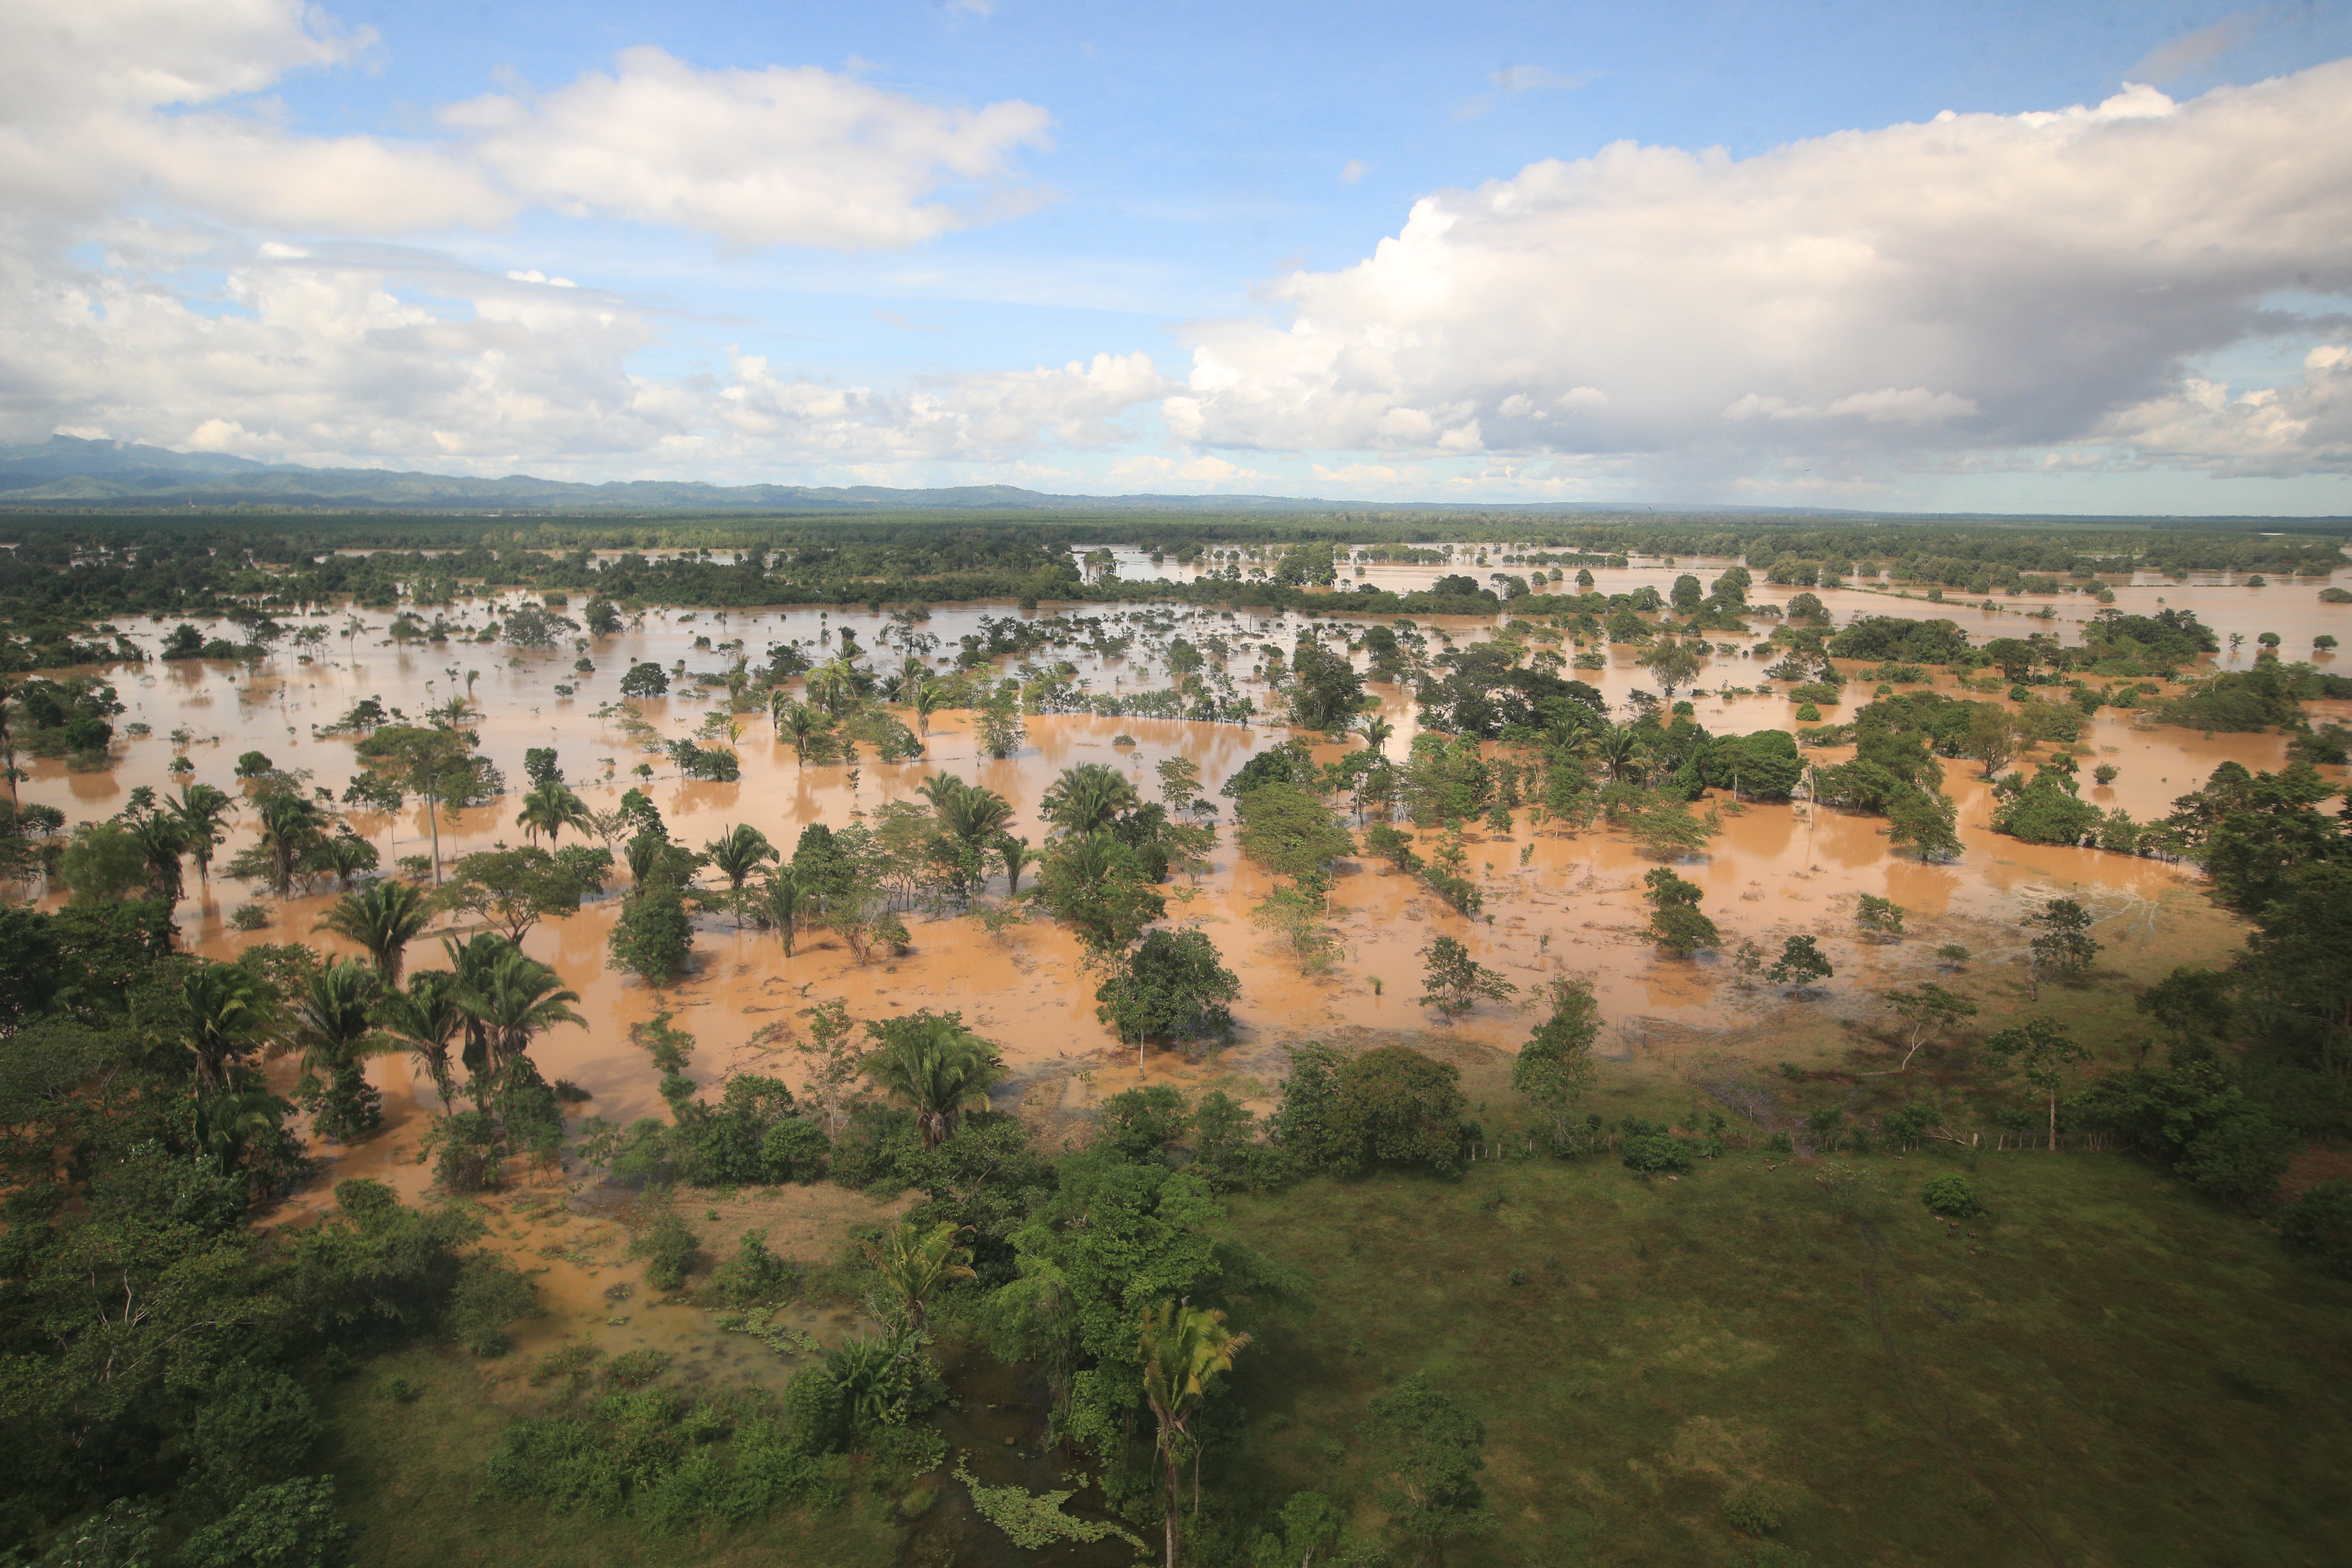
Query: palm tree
{"x": 162, "y": 840}
{"x": 1088, "y": 797}
{"x": 1015, "y": 853}
{"x": 509, "y": 998}
{"x": 783, "y": 898}
{"x": 832, "y": 685}
{"x": 289, "y": 826}
{"x": 223, "y": 1017}
{"x": 384, "y": 919}
{"x": 971, "y": 813}
{"x": 333, "y": 1028}
{"x": 800, "y": 721}
{"x": 1184, "y": 1348}
{"x": 427, "y": 1019}
{"x": 201, "y": 810}
{"x": 915, "y": 1261}
{"x": 937, "y": 1066}
{"x": 347, "y": 855}
{"x": 550, "y": 808}
{"x": 738, "y": 852}
{"x": 1376, "y": 731}
{"x": 8, "y": 736}
{"x": 926, "y": 699}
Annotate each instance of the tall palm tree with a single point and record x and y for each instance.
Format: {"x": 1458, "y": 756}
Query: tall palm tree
{"x": 426, "y": 1020}
{"x": 832, "y": 685}
{"x": 550, "y": 808}
{"x": 334, "y": 1027}
{"x": 289, "y": 827}
{"x": 937, "y": 1066}
{"x": 162, "y": 840}
{"x": 509, "y": 998}
{"x": 223, "y": 1017}
{"x": 1376, "y": 731}
{"x": 802, "y": 723}
{"x": 1185, "y": 1348}
{"x": 914, "y": 1262}
{"x": 739, "y": 851}
{"x": 972, "y": 815}
{"x": 202, "y": 810}
{"x": 926, "y": 700}
{"x": 785, "y": 897}
{"x": 1086, "y": 797}
{"x": 384, "y": 919}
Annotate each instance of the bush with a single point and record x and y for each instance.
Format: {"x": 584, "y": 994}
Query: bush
{"x": 248, "y": 917}
{"x": 754, "y": 1277}
{"x": 290, "y": 1525}
{"x": 490, "y": 1293}
{"x": 1654, "y": 1154}
{"x": 255, "y": 1426}
{"x": 2241, "y": 1158}
{"x": 1952, "y": 1197}
{"x": 1754, "y": 1509}
{"x": 2317, "y": 1227}
{"x": 814, "y": 1412}
{"x": 671, "y": 1250}
{"x": 795, "y": 1149}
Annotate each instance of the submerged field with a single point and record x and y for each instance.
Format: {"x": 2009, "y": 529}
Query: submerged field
{"x": 1776, "y": 1357}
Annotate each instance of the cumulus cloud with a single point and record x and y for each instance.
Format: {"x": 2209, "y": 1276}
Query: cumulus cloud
{"x": 781, "y": 156}
{"x": 1973, "y": 282}
{"x": 111, "y": 102}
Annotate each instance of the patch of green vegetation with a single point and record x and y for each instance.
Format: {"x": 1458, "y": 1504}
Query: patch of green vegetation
{"x": 1746, "y": 1350}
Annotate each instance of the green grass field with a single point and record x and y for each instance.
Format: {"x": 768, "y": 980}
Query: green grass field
{"x": 2108, "y": 1371}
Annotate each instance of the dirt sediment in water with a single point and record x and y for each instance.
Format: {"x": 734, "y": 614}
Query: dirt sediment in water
{"x": 1571, "y": 907}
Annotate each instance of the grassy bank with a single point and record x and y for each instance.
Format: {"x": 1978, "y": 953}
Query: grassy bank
{"x": 2108, "y": 1370}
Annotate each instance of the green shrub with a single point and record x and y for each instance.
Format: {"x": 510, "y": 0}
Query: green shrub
{"x": 255, "y": 1425}
{"x": 1754, "y": 1509}
{"x": 1952, "y": 1197}
{"x": 2317, "y": 1227}
{"x": 490, "y": 1293}
{"x": 290, "y": 1525}
{"x": 670, "y": 1251}
{"x": 754, "y": 1277}
{"x": 814, "y": 1412}
{"x": 2241, "y": 1158}
{"x": 248, "y": 917}
{"x": 1654, "y": 1154}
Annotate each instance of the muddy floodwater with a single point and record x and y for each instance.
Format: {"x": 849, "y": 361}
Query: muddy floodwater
{"x": 1560, "y": 904}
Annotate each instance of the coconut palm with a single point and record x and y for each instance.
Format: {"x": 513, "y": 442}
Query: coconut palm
{"x": 1185, "y": 1348}
{"x": 550, "y": 808}
{"x": 223, "y": 1019}
{"x": 425, "y": 1020}
{"x": 935, "y": 1064}
{"x": 915, "y": 1260}
{"x": 384, "y": 919}
{"x": 739, "y": 851}
{"x": 1086, "y": 797}
{"x": 334, "y": 1028}
{"x": 926, "y": 699}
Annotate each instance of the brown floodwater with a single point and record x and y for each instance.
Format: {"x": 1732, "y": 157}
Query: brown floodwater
{"x": 1556, "y": 905}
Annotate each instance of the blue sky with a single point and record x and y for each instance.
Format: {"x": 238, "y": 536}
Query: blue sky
{"x": 1375, "y": 252}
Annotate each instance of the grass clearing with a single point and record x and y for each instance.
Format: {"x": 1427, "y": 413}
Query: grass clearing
{"x": 2107, "y": 1369}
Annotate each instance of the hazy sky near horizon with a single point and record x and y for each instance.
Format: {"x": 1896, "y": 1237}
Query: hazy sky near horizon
{"x": 2092, "y": 257}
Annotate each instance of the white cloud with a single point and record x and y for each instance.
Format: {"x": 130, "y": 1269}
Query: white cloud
{"x": 1898, "y": 295}
{"x": 116, "y": 104}
{"x": 1352, "y": 171}
{"x": 1511, "y": 80}
{"x": 780, "y": 157}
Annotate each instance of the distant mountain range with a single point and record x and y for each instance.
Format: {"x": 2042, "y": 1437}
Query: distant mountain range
{"x": 65, "y": 473}
{"x": 72, "y": 474}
